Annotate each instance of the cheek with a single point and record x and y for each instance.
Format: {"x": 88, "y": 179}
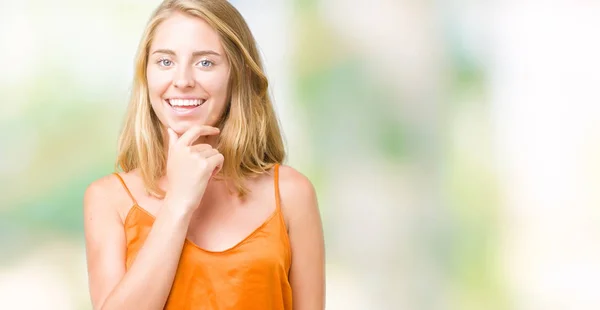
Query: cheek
{"x": 216, "y": 85}
{"x": 158, "y": 82}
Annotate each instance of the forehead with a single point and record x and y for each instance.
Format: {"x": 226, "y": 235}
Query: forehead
{"x": 181, "y": 32}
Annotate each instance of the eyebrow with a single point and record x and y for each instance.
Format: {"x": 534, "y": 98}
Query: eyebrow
{"x": 195, "y": 54}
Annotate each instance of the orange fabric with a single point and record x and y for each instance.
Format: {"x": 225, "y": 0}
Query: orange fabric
{"x": 253, "y": 274}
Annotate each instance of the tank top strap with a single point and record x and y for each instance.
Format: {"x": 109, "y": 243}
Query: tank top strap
{"x": 276, "y": 182}
{"x": 125, "y": 187}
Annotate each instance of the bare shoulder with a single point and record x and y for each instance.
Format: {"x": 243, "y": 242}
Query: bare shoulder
{"x": 294, "y": 184}
{"x": 298, "y": 195}
{"x": 101, "y": 189}
{"x": 104, "y": 195}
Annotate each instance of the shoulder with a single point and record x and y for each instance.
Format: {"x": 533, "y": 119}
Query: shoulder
{"x": 105, "y": 195}
{"x": 293, "y": 184}
{"x": 297, "y": 194}
{"x": 101, "y": 188}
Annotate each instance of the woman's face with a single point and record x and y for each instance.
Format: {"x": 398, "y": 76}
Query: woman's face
{"x": 187, "y": 73}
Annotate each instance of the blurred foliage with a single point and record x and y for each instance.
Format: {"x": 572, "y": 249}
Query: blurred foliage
{"x": 69, "y": 133}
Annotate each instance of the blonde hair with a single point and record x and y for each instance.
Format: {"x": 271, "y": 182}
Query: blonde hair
{"x": 250, "y": 138}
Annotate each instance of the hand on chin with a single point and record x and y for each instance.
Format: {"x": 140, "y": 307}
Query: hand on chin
{"x": 180, "y": 127}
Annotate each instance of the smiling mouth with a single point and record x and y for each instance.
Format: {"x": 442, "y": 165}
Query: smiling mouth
{"x": 183, "y": 106}
{"x": 185, "y": 103}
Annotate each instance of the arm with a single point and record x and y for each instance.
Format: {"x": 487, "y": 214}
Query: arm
{"x": 147, "y": 283}
{"x": 307, "y": 274}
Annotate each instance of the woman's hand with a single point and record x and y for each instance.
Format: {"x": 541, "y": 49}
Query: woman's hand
{"x": 190, "y": 166}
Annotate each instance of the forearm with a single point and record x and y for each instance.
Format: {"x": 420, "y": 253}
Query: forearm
{"x": 147, "y": 283}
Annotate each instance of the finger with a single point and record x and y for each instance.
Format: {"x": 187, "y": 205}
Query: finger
{"x": 172, "y": 137}
{"x": 192, "y": 134}
{"x": 207, "y": 153}
{"x": 200, "y": 147}
{"x": 216, "y": 161}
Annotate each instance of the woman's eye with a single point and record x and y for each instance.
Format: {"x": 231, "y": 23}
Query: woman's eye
{"x": 165, "y": 62}
{"x": 205, "y": 63}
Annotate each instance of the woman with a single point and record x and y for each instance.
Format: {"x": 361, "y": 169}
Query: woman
{"x": 203, "y": 216}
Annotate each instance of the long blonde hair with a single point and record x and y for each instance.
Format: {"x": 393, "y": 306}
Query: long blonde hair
{"x": 250, "y": 138}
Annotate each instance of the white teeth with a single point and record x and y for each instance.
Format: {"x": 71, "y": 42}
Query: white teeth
{"x": 185, "y": 102}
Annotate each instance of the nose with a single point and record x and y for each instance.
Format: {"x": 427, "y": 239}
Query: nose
{"x": 184, "y": 78}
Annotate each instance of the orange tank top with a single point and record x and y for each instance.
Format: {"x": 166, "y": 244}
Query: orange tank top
{"x": 253, "y": 274}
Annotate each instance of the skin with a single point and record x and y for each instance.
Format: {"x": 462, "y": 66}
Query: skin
{"x": 187, "y": 60}
{"x": 212, "y": 218}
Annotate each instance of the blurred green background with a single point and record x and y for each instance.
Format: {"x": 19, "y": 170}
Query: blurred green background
{"x": 454, "y": 145}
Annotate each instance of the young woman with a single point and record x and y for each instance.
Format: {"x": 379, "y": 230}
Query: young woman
{"x": 202, "y": 216}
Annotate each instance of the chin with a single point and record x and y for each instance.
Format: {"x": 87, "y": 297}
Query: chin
{"x": 181, "y": 127}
